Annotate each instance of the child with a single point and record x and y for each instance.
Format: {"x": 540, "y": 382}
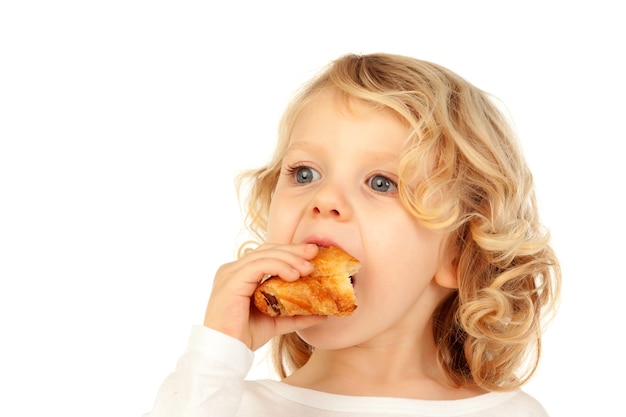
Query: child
{"x": 413, "y": 171}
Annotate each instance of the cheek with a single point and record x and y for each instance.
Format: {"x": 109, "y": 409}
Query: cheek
{"x": 403, "y": 257}
{"x": 282, "y": 221}
{"x": 273, "y": 226}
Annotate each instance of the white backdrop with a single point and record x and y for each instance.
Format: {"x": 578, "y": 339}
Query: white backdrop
{"x": 123, "y": 124}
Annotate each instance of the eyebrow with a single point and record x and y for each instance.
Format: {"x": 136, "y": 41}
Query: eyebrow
{"x": 381, "y": 156}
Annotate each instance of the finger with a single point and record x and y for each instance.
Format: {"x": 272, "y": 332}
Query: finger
{"x": 306, "y": 250}
{"x": 286, "y": 261}
{"x": 289, "y": 271}
{"x": 286, "y": 252}
{"x": 241, "y": 277}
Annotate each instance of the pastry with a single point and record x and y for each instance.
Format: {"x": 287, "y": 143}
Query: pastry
{"x": 327, "y": 291}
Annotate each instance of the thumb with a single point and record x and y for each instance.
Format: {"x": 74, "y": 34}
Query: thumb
{"x": 292, "y": 324}
{"x": 263, "y": 330}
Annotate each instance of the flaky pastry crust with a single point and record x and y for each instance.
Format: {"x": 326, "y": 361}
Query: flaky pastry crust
{"x": 327, "y": 291}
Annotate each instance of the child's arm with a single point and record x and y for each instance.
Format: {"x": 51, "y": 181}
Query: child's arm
{"x": 208, "y": 379}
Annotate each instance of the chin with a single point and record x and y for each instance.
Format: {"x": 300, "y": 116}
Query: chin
{"x": 332, "y": 334}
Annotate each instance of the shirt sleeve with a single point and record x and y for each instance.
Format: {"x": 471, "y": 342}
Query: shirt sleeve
{"x": 208, "y": 379}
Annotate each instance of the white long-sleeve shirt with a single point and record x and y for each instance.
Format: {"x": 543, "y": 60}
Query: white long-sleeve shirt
{"x": 209, "y": 380}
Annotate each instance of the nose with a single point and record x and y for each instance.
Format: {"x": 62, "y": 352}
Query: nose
{"x": 332, "y": 202}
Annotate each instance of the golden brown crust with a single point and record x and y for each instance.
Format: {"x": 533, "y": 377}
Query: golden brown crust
{"x": 328, "y": 291}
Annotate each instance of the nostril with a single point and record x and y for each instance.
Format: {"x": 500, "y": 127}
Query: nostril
{"x": 334, "y": 212}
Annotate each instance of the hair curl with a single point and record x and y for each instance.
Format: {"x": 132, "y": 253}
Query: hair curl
{"x": 462, "y": 171}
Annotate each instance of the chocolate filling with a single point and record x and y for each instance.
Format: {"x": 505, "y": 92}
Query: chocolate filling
{"x": 271, "y": 301}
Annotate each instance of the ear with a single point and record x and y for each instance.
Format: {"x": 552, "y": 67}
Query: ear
{"x": 446, "y": 276}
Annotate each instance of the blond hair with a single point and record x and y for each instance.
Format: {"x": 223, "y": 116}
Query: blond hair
{"x": 463, "y": 172}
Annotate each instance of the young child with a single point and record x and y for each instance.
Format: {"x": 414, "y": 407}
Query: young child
{"x": 413, "y": 171}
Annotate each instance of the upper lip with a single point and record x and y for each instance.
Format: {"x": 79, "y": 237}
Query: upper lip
{"x": 321, "y": 241}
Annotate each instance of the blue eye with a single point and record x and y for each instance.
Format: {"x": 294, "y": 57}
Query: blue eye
{"x": 304, "y": 175}
{"x": 382, "y": 184}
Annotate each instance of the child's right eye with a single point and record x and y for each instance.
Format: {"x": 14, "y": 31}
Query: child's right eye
{"x": 304, "y": 174}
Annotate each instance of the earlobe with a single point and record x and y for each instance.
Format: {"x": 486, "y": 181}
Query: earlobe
{"x": 446, "y": 276}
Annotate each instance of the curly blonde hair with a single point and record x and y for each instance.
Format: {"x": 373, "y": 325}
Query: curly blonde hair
{"x": 462, "y": 172}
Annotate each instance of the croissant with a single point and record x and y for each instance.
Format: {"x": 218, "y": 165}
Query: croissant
{"x": 327, "y": 291}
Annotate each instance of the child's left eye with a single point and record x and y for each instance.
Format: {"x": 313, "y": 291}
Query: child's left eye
{"x": 382, "y": 184}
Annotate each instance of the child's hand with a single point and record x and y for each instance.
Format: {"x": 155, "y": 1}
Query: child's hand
{"x": 229, "y": 309}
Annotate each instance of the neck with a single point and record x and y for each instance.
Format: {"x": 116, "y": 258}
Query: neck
{"x": 388, "y": 366}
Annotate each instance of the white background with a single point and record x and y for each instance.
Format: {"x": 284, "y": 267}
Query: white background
{"x": 123, "y": 124}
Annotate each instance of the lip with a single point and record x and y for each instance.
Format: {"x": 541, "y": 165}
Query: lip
{"x": 321, "y": 241}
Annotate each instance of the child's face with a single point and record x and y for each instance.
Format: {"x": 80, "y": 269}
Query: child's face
{"x": 337, "y": 186}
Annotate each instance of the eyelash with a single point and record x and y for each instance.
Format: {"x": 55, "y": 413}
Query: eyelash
{"x": 292, "y": 169}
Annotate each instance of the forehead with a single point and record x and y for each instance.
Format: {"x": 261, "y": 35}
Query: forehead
{"x": 330, "y": 108}
{"x": 342, "y": 103}
{"x": 338, "y": 122}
